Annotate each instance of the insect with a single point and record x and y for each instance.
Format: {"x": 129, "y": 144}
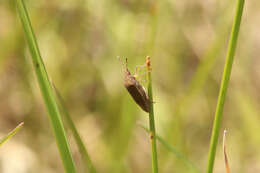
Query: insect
{"x": 136, "y": 90}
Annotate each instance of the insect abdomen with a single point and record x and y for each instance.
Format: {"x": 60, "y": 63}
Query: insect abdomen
{"x": 139, "y": 98}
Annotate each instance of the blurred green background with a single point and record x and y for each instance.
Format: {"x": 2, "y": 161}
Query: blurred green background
{"x": 79, "y": 42}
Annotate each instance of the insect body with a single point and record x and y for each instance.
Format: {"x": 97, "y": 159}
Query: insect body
{"x": 136, "y": 90}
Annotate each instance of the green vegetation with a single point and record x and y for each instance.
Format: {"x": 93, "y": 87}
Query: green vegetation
{"x": 11, "y": 134}
{"x": 175, "y": 152}
{"x": 76, "y": 49}
{"x": 224, "y": 85}
{"x": 151, "y": 117}
{"x": 47, "y": 91}
{"x": 83, "y": 151}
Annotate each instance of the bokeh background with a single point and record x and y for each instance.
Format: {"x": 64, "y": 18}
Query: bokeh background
{"x": 80, "y": 40}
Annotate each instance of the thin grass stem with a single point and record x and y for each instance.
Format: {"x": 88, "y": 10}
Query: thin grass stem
{"x": 151, "y": 118}
{"x": 88, "y": 165}
{"x": 174, "y": 151}
{"x": 224, "y": 85}
{"x": 46, "y": 90}
{"x": 12, "y": 133}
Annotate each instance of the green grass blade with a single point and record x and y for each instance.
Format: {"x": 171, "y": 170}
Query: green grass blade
{"x": 46, "y": 90}
{"x": 178, "y": 154}
{"x": 11, "y": 134}
{"x": 224, "y": 85}
{"x": 83, "y": 151}
{"x": 151, "y": 119}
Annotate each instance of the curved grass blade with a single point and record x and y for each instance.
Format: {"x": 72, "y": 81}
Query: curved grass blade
{"x": 83, "y": 151}
{"x": 11, "y": 134}
{"x": 46, "y": 90}
{"x": 178, "y": 154}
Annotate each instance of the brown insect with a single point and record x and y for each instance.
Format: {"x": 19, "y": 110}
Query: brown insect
{"x": 136, "y": 90}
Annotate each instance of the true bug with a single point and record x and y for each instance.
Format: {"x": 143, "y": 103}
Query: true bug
{"x": 136, "y": 90}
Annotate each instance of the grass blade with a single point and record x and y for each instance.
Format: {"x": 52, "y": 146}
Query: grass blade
{"x": 224, "y": 85}
{"x": 12, "y": 133}
{"x": 151, "y": 118}
{"x": 83, "y": 151}
{"x": 225, "y": 152}
{"x": 178, "y": 154}
{"x": 46, "y": 90}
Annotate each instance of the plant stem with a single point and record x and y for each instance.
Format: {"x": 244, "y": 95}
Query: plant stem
{"x": 174, "y": 151}
{"x": 46, "y": 90}
{"x": 151, "y": 118}
{"x": 11, "y": 134}
{"x": 88, "y": 165}
{"x": 224, "y": 85}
